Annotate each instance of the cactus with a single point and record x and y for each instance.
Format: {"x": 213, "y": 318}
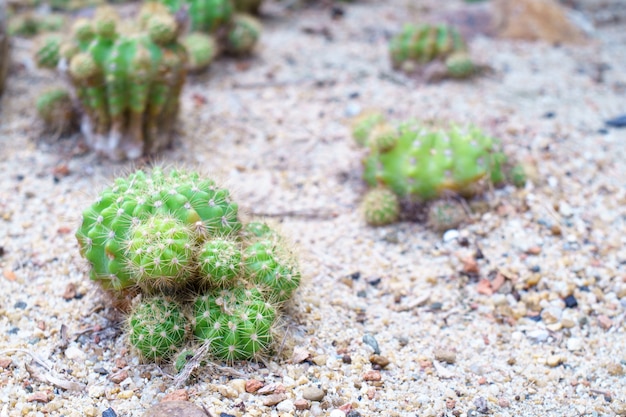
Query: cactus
{"x": 243, "y": 35}
{"x": 157, "y": 328}
{"x": 236, "y": 323}
{"x": 381, "y": 207}
{"x": 417, "y": 45}
{"x": 48, "y": 53}
{"x": 248, "y": 6}
{"x": 201, "y": 48}
{"x": 29, "y": 24}
{"x": 445, "y": 215}
{"x": 128, "y": 85}
{"x": 177, "y": 233}
{"x": 421, "y": 165}
{"x": 56, "y": 109}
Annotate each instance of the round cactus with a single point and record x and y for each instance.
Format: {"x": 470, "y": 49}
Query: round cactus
{"x": 248, "y": 6}
{"x": 243, "y": 35}
{"x": 236, "y": 323}
{"x": 445, "y": 215}
{"x": 201, "y": 49}
{"x": 157, "y": 329}
{"x": 269, "y": 267}
{"x": 210, "y": 15}
{"x": 220, "y": 262}
{"x": 48, "y": 52}
{"x": 381, "y": 207}
{"x": 56, "y": 110}
{"x": 364, "y": 125}
{"x": 416, "y": 45}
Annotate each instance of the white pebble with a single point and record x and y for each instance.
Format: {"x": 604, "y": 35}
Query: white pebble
{"x": 450, "y": 235}
{"x": 574, "y": 344}
{"x": 286, "y": 406}
{"x": 74, "y": 353}
{"x": 337, "y": 413}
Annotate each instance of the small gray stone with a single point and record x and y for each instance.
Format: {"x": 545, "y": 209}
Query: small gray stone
{"x": 313, "y": 394}
{"x": 370, "y": 340}
{"x": 174, "y": 408}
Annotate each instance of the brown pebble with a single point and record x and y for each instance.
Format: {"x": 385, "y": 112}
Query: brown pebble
{"x": 470, "y": 266}
{"x": 379, "y": 360}
{"x": 450, "y": 404}
{"x": 302, "y": 404}
{"x": 533, "y": 250}
{"x": 39, "y": 397}
{"x": 371, "y": 393}
{"x": 605, "y": 322}
{"x": 175, "y": 408}
{"x": 372, "y": 376}
{"x": 504, "y": 403}
{"x": 5, "y": 362}
{"x": 253, "y": 385}
{"x": 9, "y": 275}
{"x": 273, "y": 399}
{"x": 346, "y": 359}
{"x": 445, "y": 355}
{"x": 41, "y": 325}
{"x": 300, "y": 354}
{"x": 177, "y": 395}
{"x": 119, "y": 376}
{"x": 275, "y": 388}
{"x": 70, "y": 291}
{"x": 313, "y": 393}
{"x": 120, "y": 363}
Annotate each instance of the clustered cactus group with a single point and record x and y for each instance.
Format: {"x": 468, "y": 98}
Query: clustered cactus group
{"x": 217, "y": 26}
{"x": 416, "y": 46}
{"x": 416, "y": 164}
{"x": 127, "y": 84}
{"x": 204, "y": 276}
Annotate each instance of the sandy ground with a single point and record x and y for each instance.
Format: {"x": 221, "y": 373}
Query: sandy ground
{"x": 275, "y": 130}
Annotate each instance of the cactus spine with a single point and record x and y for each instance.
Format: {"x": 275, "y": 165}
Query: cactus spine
{"x": 177, "y": 233}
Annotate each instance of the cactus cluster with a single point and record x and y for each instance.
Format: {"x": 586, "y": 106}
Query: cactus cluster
{"x": 127, "y": 84}
{"x": 217, "y": 26}
{"x": 418, "y": 45}
{"x": 412, "y": 163}
{"x": 177, "y": 238}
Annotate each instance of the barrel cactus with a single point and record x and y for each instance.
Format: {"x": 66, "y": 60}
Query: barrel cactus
{"x": 420, "y": 165}
{"x": 128, "y": 85}
{"x": 416, "y": 46}
{"x": 176, "y": 238}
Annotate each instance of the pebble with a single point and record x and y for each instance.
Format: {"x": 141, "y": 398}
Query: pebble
{"x": 74, "y": 353}
{"x": 38, "y": 397}
{"x": 450, "y": 235}
{"x": 372, "y": 376}
{"x": 379, "y": 360}
{"x": 109, "y": 412}
{"x": 445, "y": 355}
{"x": 574, "y": 344}
{"x": 176, "y": 395}
{"x": 615, "y": 369}
{"x": 313, "y": 393}
{"x": 273, "y": 399}
{"x": 538, "y": 336}
{"x": 302, "y": 404}
{"x": 337, "y": 413}
{"x": 286, "y": 406}
{"x": 370, "y": 340}
{"x": 253, "y": 385}
{"x": 570, "y": 301}
{"x": 174, "y": 408}
{"x": 353, "y": 413}
{"x": 554, "y": 360}
{"x": 320, "y": 360}
{"x": 605, "y": 322}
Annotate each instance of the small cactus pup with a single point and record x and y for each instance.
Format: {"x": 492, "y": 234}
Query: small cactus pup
{"x": 431, "y": 51}
{"x": 236, "y": 323}
{"x": 157, "y": 328}
{"x": 128, "y": 84}
{"x": 420, "y": 165}
{"x": 201, "y": 49}
{"x": 248, "y": 6}
{"x": 56, "y": 110}
{"x": 243, "y": 35}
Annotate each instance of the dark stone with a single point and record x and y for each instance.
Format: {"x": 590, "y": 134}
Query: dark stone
{"x": 226, "y": 415}
{"x": 355, "y": 275}
{"x": 619, "y": 121}
{"x": 109, "y": 412}
{"x": 353, "y": 413}
{"x": 535, "y": 268}
{"x": 13, "y": 330}
{"x": 370, "y": 340}
{"x": 375, "y": 282}
{"x": 549, "y": 115}
{"x": 570, "y": 301}
{"x": 535, "y": 318}
{"x": 20, "y": 304}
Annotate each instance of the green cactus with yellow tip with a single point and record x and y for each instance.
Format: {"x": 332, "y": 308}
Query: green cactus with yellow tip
{"x": 128, "y": 84}
{"x": 201, "y": 49}
{"x": 56, "y": 110}
{"x": 420, "y": 165}
{"x": 418, "y": 46}
{"x": 178, "y": 235}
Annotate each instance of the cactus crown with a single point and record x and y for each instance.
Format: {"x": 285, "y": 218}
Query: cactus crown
{"x": 178, "y": 233}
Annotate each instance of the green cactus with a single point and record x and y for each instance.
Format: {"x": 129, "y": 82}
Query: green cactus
{"x": 243, "y": 35}
{"x": 270, "y": 267}
{"x": 56, "y": 110}
{"x": 364, "y": 125}
{"x": 157, "y": 328}
{"x": 220, "y": 262}
{"x": 381, "y": 207}
{"x": 201, "y": 49}
{"x": 237, "y": 323}
{"x": 248, "y": 6}
{"x": 417, "y": 45}
{"x": 105, "y": 236}
{"x": 29, "y": 24}
{"x": 418, "y": 164}
{"x": 48, "y": 53}
{"x": 128, "y": 84}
